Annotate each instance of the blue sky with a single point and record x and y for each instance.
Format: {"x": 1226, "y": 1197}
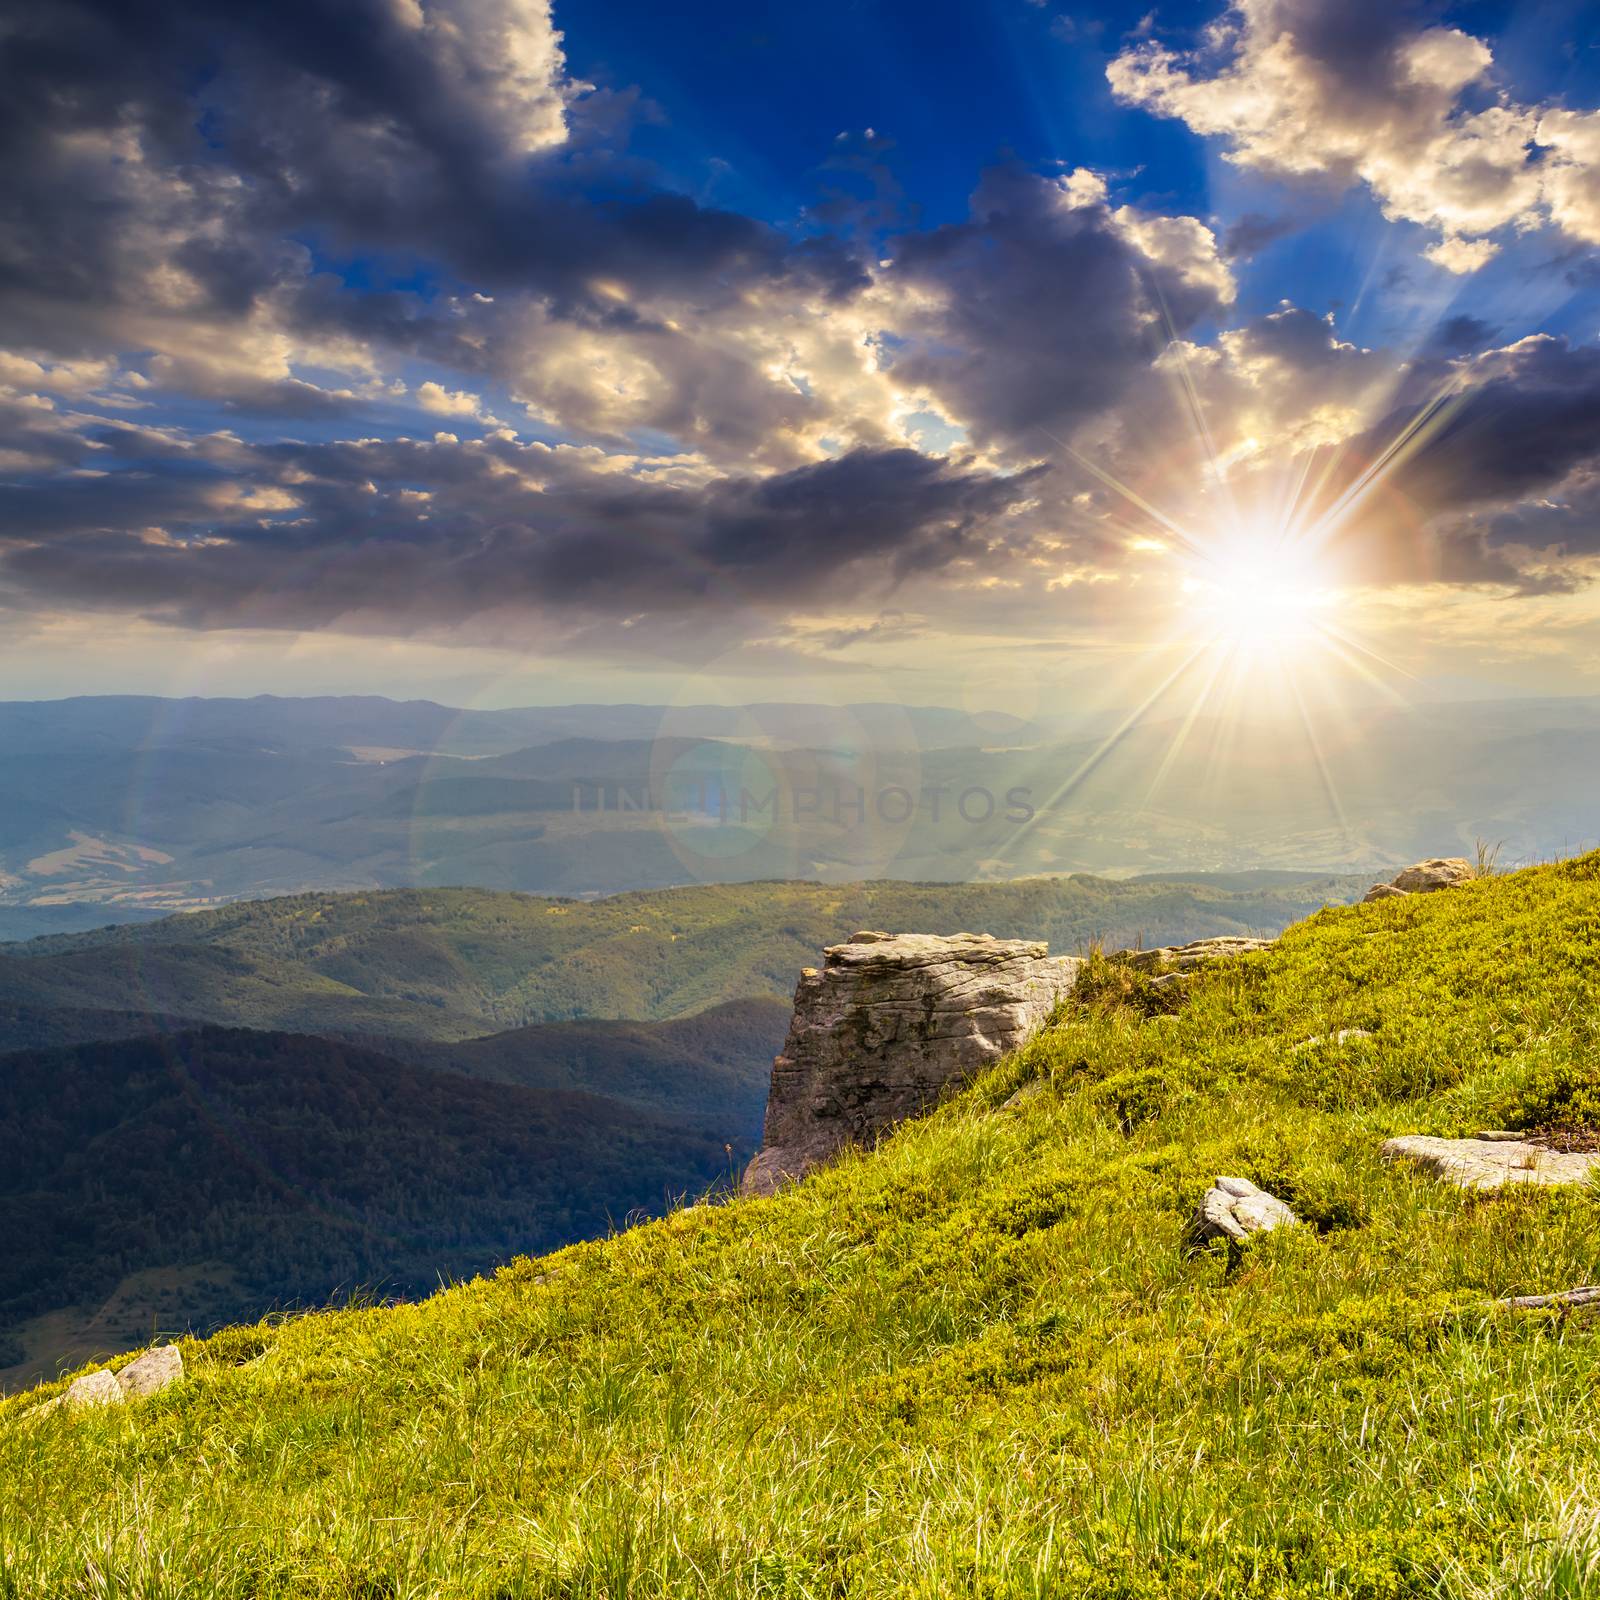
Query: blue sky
{"x": 954, "y": 352}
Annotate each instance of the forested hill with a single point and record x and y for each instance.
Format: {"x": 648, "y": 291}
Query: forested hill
{"x": 294, "y": 1169}
{"x": 450, "y": 964}
{"x": 711, "y": 1069}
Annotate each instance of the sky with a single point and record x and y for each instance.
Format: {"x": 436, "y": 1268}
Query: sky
{"x": 998, "y": 354}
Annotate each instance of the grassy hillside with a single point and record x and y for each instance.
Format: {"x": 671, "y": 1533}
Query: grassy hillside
{"x": 979, "y": 1361}
{"x": 306, "y": 1168}
{"x": 453, "y": 963}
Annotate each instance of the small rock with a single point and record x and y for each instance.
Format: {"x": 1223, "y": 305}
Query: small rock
{"x": 770, "y": 1170}
{"x": 1426, "y": 877}
{"x": 154, "y": 1370}
{"x": 1343, "y": 1036}
{"x": 94, "y": 1389}
{"x": 1235, "y": 1208}
{"x": 1184, "y": 958}
{"x": 1031, "y": 1090}
{"x": 1494, "y": 1163}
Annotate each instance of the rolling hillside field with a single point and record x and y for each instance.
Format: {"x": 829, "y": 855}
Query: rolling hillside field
{"x": 985, "y": 1359}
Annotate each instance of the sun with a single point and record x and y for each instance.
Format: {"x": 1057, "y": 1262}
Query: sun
{"x": 1259, "y": 600}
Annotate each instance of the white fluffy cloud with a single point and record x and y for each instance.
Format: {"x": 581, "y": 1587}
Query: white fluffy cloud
{"x": 504, "y": 56}
{"x": 1572, "y": 171}
{"x": 1411, "y": 111}
{"x": 444, "y": 402}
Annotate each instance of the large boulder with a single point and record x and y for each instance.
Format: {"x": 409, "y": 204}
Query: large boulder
{"x": 1426, "y": 877}
{"x": 887, "y": 1026}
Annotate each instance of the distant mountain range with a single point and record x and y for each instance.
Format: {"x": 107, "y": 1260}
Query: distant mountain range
{"x": 122, "y": 809}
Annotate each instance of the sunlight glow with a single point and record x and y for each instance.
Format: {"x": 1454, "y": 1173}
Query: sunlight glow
{"x": 1259, "y": 600}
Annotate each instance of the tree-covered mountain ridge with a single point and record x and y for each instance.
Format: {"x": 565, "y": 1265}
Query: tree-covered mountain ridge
{"x": 450, "y": 964}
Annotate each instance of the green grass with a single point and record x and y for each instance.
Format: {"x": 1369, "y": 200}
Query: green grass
{"x": 979, "y": 1361}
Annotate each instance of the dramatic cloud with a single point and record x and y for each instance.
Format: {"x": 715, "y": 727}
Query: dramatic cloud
{"x": 1368, "y": 92}
{"x": 216, "y": 533}
{"x": 369, "y": 318}
{"x": 1038, "y": 312}
{"x": 167, "y": 166}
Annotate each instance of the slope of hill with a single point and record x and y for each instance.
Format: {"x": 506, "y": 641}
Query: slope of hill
{"x": 709, "y": 1070}
{"x": 448, "y": 964}
{"x": 302, "y": 1167}
{"x": 980, "y": 1361}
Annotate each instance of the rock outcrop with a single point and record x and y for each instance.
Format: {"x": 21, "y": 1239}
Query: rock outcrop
{"x": 886, "y": 1027}
{"x": 1234, "y": 1208}
{"x": 1177, "y": 966}
{"x": 1495, "y": 1161}
{"x": 1183, "y": 958}
{"x": 1426, "y": 877}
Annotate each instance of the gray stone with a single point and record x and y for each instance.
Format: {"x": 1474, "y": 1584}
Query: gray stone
{"x": 1426, "y": 877}
{"x": 1234, "y": 1208}
{"x": 886, "y": 1027}
{"x": 1185, "y": 958}
{"x": 1027, "y": 1093}
{"x": 1494, "y": 1163}
{"x": 94, "y": 1389}
{"x": 154, "y": 1370}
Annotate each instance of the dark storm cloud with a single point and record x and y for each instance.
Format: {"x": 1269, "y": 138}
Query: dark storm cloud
{"x": 1530, "y": 417}
{"x": 1048, "y": 309}
{"x": 207, "y": 138}
{"x": 1460, "y": 335}
{"x": 480, "y": 527}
